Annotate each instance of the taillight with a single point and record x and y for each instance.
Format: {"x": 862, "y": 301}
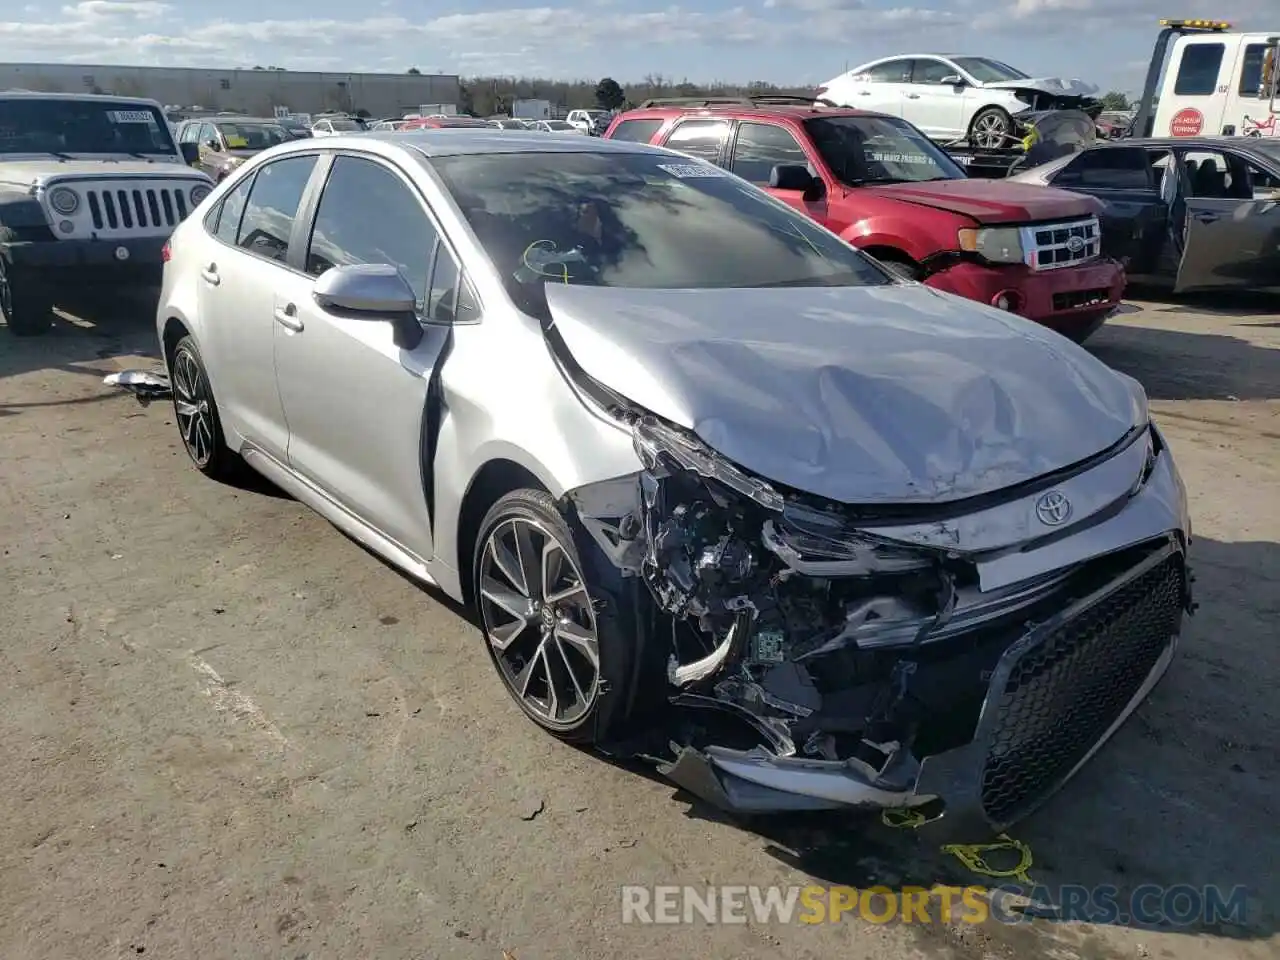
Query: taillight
{"x": 165, "y": 253}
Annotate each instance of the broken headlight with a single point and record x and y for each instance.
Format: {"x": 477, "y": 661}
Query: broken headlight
{"x": 653, "y": 439}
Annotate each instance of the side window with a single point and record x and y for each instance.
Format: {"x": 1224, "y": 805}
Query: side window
{"x": 367, "y": 214}
{"x": 891, "y": 71}
{"x": 442, "y": 297}
{"x": 1210, "y": 174}
{"x": 272, "y": 207}
{"x": 932, "y": 71}
{"x": 1253, "y": 79}
{"x": 1117, "y": 169}
{"x": 1198, "y": 70}
{"x": 230, "y": 212}
{"x": 636, "y": 131}
{"x": 189, "y": 133}
{"x": 700, "y": 138}
{"x": 762, "y": 146}
{"x": 209, "y": 136}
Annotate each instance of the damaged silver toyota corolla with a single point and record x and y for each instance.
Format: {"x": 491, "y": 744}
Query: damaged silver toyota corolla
{"x": 726, "y": 493}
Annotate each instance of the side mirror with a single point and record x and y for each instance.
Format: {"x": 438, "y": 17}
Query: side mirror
{"x": 953, "y": 80}
{"x": 795, "y": 176}
{"x": 190, "y": 153}
{"x": 372, "y": 291}
{"x": 212, "y": 145}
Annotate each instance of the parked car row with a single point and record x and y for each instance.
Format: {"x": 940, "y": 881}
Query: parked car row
{"x": 728, "y": 493}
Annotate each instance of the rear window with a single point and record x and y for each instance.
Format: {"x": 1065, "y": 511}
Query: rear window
{"x": 639, "y": 220}
{"x": 1198, "y": 70}
{"x": 636, "y": 131}
{"x": 1117, "y": 169}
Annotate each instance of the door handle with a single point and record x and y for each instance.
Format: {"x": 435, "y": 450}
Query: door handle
{"x": 913, "y": 96}
{"x": 210, "y": 275}
{"x": 1205, "y": 217}
{"x": 864, "y": 93}
{"x": 287, "y": 317}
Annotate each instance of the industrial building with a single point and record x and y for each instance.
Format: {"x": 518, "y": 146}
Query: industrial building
{"x": 259, "y": 91}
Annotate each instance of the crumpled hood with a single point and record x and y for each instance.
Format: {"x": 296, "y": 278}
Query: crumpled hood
{"x": 890, "y": 394}
{"x": 992, "y": 201}
{"x": 1055, "y": 86}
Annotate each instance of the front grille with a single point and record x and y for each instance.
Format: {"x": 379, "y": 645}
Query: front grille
{"x": 1056, "y": 245}
{"x": 136, "y": 208}
{"x": 1066, "y": 690}
{"x": 1078, "y": 299}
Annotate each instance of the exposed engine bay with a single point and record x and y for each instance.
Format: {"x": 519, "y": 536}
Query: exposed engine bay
{"x": 828, "y": 646}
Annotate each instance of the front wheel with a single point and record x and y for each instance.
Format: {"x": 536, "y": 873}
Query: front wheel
{"x": 27, "y": 306}
{"x": 991, "y": 128}
{"x": 555, "y": 641}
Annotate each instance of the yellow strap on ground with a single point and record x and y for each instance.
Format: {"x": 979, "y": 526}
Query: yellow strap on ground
{"x": 902, "y": 817}
{"x": 972, "y": 855}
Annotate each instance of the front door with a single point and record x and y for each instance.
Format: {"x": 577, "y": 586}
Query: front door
{"x": 935, "y": 107}
{"x": 1232, "y": 230}
{"x": 356, "y": 403}
{"x": 758, "y": 148}
{"x": 240, "y": 266}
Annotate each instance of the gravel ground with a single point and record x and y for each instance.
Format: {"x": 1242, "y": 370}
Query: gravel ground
{"x": 227, "y": 731}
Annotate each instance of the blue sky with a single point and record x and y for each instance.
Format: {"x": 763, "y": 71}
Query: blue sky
{"x": 1105, "y": 42}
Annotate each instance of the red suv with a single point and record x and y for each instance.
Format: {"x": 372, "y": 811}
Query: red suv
{"x": 886, "y": 188}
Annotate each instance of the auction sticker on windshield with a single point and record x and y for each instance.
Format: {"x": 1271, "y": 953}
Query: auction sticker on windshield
{"x": 131, "y": 116}
{"x": 691, "y": 171}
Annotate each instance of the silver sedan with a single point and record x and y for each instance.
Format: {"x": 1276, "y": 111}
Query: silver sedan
{"x": 726, "y": 494}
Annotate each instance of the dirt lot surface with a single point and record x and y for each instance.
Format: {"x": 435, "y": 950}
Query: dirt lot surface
{"x": 227, "y": 731}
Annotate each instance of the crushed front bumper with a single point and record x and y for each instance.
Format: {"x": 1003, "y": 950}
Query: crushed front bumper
{"x": 1054, "y": 698}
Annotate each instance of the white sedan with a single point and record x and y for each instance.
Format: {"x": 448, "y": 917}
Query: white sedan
{"x": 953, "y": 97}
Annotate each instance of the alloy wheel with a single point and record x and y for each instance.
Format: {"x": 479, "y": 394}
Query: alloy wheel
{"x": 990, "y": 131}
{"x": 191, "y": 407}
{"x": 539, "y": 622}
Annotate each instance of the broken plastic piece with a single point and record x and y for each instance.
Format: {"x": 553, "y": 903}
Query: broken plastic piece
{"x": 146, "y": 385}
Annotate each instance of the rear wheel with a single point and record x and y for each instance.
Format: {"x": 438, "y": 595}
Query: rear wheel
{"x": 27, "y": 305}
{"x": 196, "y": 413}
{"x": 991, "y": 128}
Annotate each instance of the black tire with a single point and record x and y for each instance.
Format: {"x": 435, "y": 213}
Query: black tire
{"x": 26, "y": 303}
{"x": 542, "y": 646}
{"x": 991, "y": 123}
{"x": 196, "y": 414}
{"x": 901, "y": 268}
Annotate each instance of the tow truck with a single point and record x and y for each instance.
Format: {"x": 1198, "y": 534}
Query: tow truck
{"x": 1204, "y": 79}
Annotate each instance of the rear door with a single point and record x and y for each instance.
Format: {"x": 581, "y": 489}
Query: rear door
{"x": 882, "y": 87}
{"x": 1135, "y": 215}
{"x": 240, "y": 269}
{"x": 1232, "y": 228}
{"x": 758, "y": 147}
{"x": 702, "y": 137}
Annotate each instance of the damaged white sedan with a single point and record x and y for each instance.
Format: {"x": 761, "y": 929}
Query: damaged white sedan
{"x": 725, "y": 492}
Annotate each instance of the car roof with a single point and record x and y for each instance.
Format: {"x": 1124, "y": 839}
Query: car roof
{"x": 102, "y": 97}
{"x": 798, "y": 111}
{"x": 466, "y": 141}
{"x": 1238, "y": 143}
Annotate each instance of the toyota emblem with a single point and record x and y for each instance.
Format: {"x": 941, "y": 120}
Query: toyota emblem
{"x": 1075, "y": 244}
{"x": 1053, "y": 509}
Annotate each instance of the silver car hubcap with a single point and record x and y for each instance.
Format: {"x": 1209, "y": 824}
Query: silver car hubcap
{"x": 539, "y": 620}
{"x": 191, "y": 407}
{"x": 990, "y": 131}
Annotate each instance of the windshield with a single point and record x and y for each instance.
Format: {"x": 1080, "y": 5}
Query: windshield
{"x": 252, "y": 136}
{"x": 988, "y": 71}
{"x": 863, "y": 150}
{"x": 43, "y": 125}
{"x": 639, "y": 220}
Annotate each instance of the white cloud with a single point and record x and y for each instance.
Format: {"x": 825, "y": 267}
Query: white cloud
{"x": 536, "y": 38}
